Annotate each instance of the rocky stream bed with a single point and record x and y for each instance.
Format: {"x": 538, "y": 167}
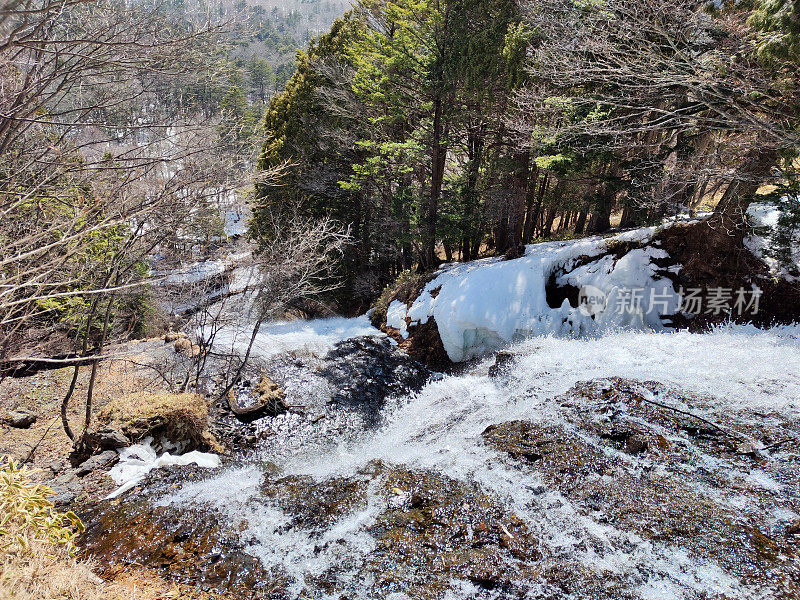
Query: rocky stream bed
{"x": 493, "y": 482}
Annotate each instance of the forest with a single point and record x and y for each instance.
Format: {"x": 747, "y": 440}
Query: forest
{"x": 450, "y": 130}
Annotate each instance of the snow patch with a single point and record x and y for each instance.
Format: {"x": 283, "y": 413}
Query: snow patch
{"x": 396, "y": 317}
{"x": 136, "y": 461}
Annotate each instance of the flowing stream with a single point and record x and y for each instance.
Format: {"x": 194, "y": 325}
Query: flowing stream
{"x": 423, "y": 501}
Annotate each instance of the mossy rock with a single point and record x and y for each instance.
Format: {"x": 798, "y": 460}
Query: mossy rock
{"x": 177, "y": 418}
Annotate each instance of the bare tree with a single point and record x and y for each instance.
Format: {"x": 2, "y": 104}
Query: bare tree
{"x": 300, "y": 262}
{"x": 106, "y": 163}
{"x": 675, "y": 92}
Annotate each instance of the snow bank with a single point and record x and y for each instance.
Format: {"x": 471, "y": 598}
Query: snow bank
{"x": 765, "y": 218}
{"x": 396, "y": 317}
{"x": 138, "y": 460}
{"x": 484, "y": 305}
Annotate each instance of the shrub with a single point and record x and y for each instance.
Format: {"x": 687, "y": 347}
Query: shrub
{"x": 27, "y": 516}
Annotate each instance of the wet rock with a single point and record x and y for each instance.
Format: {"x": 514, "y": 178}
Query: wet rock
{"x": 443, "y": 529}
{"x": 107, "y": 439}
{"x": 183, "y": 346}
{"x": 624, "y": 458}
{"x": 186, "y": 546}
{"x": 20, "y": 418}
{"x": 62, "y": 498}
{"x": 268, "y": 400}
{"x": 502, "y": 361}
{"x": 428, "y": 531}
{"x": 794, "y": 529}
{"x": 103, "y": 461}
{"x": 365, "y": 371}
{"x": 623, "y": 438}
{"x": 424, "y": 344}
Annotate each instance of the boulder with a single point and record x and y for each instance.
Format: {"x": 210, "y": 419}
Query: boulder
{"x": 107, "y": 439}
{"x": 20, "y": 418}
{"x": 180, "y": 419}
{"x": 103, "y": 461}
{"x": 183, "y": 346}
{"x": 269, "y": 400}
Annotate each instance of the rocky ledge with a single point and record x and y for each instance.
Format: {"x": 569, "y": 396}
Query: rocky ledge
{"x": 643, "y": 467}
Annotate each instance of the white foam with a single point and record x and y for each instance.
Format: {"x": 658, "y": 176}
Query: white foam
{"x": 315, "y": 337}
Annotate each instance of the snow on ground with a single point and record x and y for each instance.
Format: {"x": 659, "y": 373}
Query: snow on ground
{"x": 236, "y": 220}
{"x": 764, "y": 218}
{"x": 136, "y": 461}
{"x": 396, "y": 317}
{"x": 484, "y": 305}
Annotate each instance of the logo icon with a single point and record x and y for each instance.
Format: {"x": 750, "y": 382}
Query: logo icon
{"x": 591, "y": 301}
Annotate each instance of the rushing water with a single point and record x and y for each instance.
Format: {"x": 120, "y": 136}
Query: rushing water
{"x": 746, "y": 379}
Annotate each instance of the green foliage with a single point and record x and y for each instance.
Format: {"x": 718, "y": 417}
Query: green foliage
{"x": 783, "y": 238}
{"x": 777, "y": 23}
{"x": 26, "y": 515}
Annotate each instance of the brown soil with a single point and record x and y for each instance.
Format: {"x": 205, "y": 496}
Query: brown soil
{"x": 713, "y": 259}
{"x": 425, "y": 345}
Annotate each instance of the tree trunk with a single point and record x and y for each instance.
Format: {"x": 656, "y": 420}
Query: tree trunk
{"x": 531, "y": 208}
{"x": 730, "y": 215}
{"x": 517, "y": 198}
{"x": 581, "y": 223}
{"x": 626, "y": 220}
{"x": 438, "y": 157}
{"x": 547, "y": 230}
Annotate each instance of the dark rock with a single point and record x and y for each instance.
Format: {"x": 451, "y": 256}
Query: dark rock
{"x": 106, "y": 439}
{"x": 433, "y": 530}
{"x": 365, "y": 371}
{"x": 94, "y": 442}
{"x": 103, "y": 461}
{"x": 502, "y": 360}
{"x": 20, "y": 418}
{"x": 62, "y": 498}
{"x": 794, "y": 528}
{"x": 424, "y": 344}
{"x": 514, "y": 252}
{"x": 653, "y": 492}
{"x": 269, "y": 400}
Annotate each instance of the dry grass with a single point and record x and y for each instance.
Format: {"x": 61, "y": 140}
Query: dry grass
{"x": 43, "y": 391}
{"x": 38, "y": 542}
{"x": 135, "y": 407}
{"x": 38, "y": 545}
{"x": 178, "y": 417}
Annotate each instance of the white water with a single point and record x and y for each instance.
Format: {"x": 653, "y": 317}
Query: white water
{"x": 737, "y": 370}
